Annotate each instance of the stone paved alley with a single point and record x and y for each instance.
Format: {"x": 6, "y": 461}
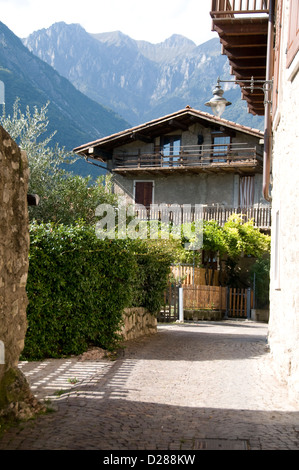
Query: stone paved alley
{"x": 191, "y": 386}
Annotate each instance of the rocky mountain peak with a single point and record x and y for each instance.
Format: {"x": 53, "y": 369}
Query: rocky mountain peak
{"x": 137, "y": 79}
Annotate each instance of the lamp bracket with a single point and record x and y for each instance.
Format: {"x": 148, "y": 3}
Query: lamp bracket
{"x": 265, "y": 85}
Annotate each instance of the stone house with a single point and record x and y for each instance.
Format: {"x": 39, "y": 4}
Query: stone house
{"x": 261, "y": 40}
{"x": 186, "y": 158}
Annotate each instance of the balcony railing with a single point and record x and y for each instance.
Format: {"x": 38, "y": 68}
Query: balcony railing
{"x": 178, "y": 214}
{"x": 192, "y": 157}
{"x": 231, "y": 8}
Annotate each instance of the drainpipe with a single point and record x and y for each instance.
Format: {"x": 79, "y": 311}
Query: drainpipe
{"x": 268, "y": 136}
{"x": 2, "y": 353}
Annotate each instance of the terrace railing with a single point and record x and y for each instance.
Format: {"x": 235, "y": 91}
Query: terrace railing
{"x": 191, "y": 156}
{"x": 231, "y": 8}
{"x": 177, "y": 214}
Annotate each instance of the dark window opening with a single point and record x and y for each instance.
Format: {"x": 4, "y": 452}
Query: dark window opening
{"x": 221, "y": 144}
{"x": 171, "y": 147}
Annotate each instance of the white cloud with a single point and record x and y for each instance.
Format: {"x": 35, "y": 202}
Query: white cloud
{"x": 151, "y": 21}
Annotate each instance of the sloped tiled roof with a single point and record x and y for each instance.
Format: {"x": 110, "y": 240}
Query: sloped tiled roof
{"x": 180, "y": 119}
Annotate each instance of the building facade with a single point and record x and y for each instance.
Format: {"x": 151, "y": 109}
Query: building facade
{"x": 186, "y": 158}
{"x": 284, "y": 294}
{"x": 268, "y": 37}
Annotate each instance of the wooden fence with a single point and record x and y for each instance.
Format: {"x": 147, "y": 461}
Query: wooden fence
{"x": 239, "y": 302}
{"x": 231, "y": 302}
{"x": 188, "y": 275}
{"x": 204, "y": 297}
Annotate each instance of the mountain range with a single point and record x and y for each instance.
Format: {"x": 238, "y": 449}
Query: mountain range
{"x": 136, "y": 79}
{"x": 99, "y": 84}
{"x": 74, "y": 116}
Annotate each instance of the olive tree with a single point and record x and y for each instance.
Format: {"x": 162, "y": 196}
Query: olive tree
{"x": 64, "y": 196}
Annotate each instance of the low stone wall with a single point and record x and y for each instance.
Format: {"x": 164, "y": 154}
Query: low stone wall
{"x": 260, "y": 315}
{"x": 138, "y": 322}
{"x": 200, "y": 315}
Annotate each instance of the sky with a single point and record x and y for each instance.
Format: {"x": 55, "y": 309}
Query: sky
{"x": 152, "y": 21}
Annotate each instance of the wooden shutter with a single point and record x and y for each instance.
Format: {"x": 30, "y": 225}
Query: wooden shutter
{"x": 277, "y": 48}
{"x": 144, "y": 193}
{"x": 293, "y": 39}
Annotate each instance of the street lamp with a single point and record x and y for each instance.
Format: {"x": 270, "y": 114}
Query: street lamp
{"x": 218, "y": 103}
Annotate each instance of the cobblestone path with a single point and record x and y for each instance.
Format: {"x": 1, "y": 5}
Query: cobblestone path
{"x": 190, "y": 386}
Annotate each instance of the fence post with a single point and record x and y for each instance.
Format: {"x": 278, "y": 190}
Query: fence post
{"x": 254, "y": 286}
{"x": 248, "y": 303}
{"x": 227, "y": 304}
{"x": 181, "y": 304}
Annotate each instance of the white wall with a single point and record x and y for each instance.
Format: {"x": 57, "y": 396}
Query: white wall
{"x": 284, "y": 291}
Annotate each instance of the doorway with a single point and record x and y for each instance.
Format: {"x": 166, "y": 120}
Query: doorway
{"x": 143, "y": 193}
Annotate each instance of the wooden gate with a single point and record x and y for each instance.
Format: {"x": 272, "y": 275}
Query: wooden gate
{"x": 204, "y": 297}
{"x": 170, "y": 309}
{"x": 239, "y": 302}
{"x": 235, "y": 302}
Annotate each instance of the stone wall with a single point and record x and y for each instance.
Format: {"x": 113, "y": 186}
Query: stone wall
{"x": 284, "y": 286}
{"x": 15, "y": 396}
{"x": 189, "y": 189}
{"x": 138, "y": 322}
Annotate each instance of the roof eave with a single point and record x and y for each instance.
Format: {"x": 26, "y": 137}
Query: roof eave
{"x": 128, "y": 133}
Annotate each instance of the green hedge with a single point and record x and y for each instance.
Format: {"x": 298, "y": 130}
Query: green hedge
{"x": 153, "y": 258}
{"x": 79, "y": 285}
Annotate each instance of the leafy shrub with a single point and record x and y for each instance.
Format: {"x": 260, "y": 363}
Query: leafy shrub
{"x": 260, "y": 280}
{"x": 154, "y": 258}
{"x": 79, "y": 285}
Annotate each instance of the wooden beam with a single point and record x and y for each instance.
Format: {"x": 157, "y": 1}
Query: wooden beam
{"x": 96, "y": 153}
{"x": 253, "y": 63}
{"x": 256, "y": 41}
{"x": 242, "y": 52}
{"x": 239, "y": 27}
{"x": 256, "y": 96}
{"x": 243, "y": 75}
{"x": 178, "y": 125}
{"x": 143, "y": 138}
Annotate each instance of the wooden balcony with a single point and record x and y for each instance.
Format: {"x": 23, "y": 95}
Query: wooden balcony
{"x": 193, "y": 159}
{"x": 231, "y": 8}
{"x": 178, "y": 214}
{"x": 242, "y": 26}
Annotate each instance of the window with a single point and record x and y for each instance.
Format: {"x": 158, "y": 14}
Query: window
{"x": 171, "y": 147}
{"x": 221, "y": 143}
{"x": 246, "y": 197}
{"x": 293, "y": 39}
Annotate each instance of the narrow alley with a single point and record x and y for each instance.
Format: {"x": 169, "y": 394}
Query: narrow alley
{"x": 189, "y": 387}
